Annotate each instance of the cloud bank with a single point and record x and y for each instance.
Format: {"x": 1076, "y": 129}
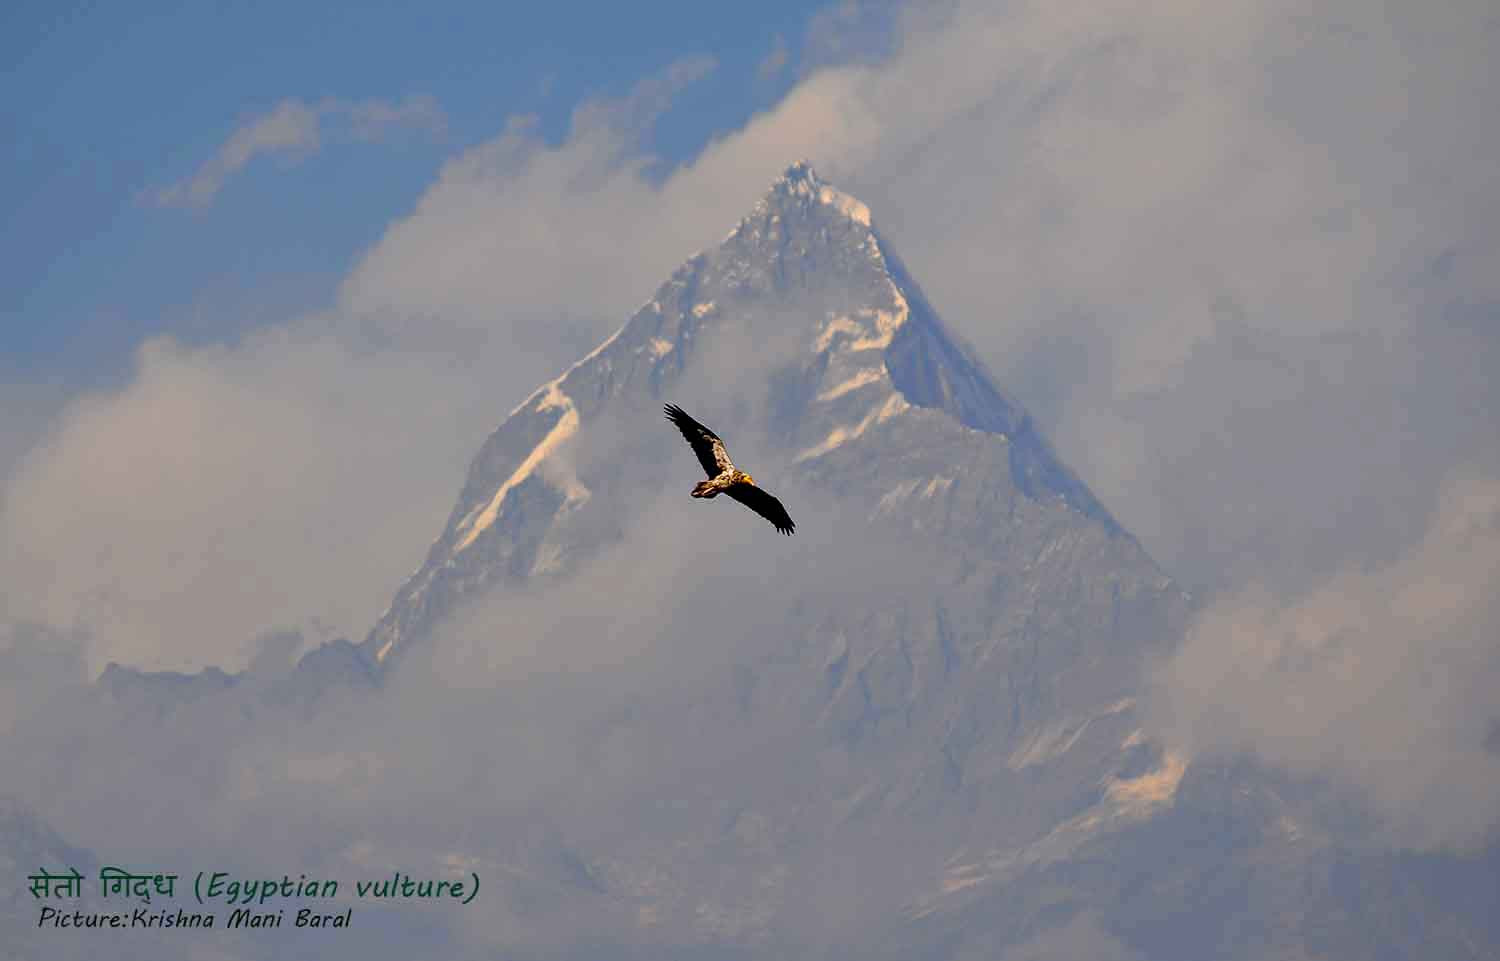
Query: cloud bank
{"x": 1383, "y": 676}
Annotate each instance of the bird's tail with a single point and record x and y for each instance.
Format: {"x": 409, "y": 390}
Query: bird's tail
{"x": 704, "y": 489}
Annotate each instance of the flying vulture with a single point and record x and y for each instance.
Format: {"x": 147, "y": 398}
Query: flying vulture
{"x": 723, "y": 476}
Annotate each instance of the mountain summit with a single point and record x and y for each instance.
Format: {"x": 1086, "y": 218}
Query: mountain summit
{"x": 807, "y": 296}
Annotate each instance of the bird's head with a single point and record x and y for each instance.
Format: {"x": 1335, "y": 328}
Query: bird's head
{"x": 749, "y": 480}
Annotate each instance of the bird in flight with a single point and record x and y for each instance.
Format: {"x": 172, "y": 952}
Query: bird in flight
{"x": 723, "y": 476}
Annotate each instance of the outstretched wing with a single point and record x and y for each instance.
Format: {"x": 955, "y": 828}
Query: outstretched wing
{"x": 763, "y": 504}
{"x": 705, "y": 443}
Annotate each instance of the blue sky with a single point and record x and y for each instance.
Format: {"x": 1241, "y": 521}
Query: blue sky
{"x": 104, "y": 104}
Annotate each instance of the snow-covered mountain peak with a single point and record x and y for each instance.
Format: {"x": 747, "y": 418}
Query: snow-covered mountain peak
{"x": 799, "y": 191}
{"x": 798, "y": 180}
{"x": 801, "y": 334}
{"x": 801, "y": 182}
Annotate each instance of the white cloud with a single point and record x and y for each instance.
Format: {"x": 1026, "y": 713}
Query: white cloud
{"x": 296, "y": 128}
{"x": 286, "y": 482}
{"x": 514, "y": 232}
{"x": 1385, "y": 676}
